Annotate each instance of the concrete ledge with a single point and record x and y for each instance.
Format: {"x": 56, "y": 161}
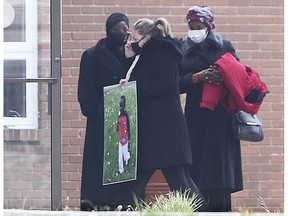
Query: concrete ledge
{"x": 15, "y": 212}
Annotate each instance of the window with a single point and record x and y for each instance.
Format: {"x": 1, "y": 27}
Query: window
{"x": 20, "y": 61}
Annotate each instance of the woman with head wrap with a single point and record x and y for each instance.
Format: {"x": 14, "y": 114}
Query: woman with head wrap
{"x": 101, "y": 65}
{"x": 216, "y": 155}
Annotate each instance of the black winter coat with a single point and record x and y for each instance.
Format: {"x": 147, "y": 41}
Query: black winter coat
{"x": 100, "y": 66}
{"x": 162, "y": 133}
{"x": 216, "y": 154}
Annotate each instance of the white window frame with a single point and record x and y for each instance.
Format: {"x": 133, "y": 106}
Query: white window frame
{"x": 27, "y": 51}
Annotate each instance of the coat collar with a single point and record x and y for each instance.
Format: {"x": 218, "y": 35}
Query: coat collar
{"x": 164, "y": 43}
{"x": 105, "y": 55}
{"x": 213, "y": 40}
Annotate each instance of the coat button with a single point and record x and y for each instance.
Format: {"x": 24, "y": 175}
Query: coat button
{"x": 115, "y": 77}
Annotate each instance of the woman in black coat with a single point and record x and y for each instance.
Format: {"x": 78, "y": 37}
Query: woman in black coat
{"x": 101, "y": 65}
{"x": 163, "y": 141}
{"x": 216, "y": 154}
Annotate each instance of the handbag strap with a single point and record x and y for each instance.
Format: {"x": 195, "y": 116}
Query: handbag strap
{"x": 131, "y": 68}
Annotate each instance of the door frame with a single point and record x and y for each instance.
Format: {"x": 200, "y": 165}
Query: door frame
{"x": 56, "y": 116}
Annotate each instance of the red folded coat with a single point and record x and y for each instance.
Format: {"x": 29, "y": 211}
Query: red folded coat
{"x": 239, "y": 81}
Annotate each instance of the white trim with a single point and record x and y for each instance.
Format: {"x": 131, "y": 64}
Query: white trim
{"x": 31, "y": 119}
{"x": 26, "y": 51}
{"x": 31, "y": 30}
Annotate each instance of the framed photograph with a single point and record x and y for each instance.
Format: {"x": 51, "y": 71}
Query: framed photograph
{"x": 120, "y": 133}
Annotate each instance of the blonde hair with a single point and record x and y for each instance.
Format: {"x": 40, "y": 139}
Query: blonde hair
{"x": 159, "y": 27}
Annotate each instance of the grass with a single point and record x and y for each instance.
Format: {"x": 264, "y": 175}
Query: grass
{"x": 174, "y": 201}
{"x": 247, "y": 212}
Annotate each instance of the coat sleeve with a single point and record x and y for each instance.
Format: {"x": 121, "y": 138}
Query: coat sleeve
{"x": 185, "y": 78}
{"x": 185, "y": 81}
{"x": 87, "y": 95}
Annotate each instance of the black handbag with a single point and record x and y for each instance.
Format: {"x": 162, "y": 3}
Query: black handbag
{"x": 247, "y": 127}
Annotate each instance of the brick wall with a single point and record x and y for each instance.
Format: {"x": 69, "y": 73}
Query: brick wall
{"x": 255, "y": 28}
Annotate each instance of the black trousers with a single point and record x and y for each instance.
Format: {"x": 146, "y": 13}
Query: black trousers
{"x": 219, "y": 200}
{"x": 178, "y": 178}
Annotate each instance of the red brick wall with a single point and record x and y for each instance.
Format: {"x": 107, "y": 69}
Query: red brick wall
{"x": 255, "y": 28}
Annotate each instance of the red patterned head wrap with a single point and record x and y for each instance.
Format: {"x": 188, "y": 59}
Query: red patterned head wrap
{"x": 203, "y": 14}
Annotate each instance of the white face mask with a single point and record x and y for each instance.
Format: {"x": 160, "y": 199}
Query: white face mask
{"x": 198, "y": 36}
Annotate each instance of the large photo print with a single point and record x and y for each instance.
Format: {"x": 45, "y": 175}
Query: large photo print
{"x": 120, "y": 133}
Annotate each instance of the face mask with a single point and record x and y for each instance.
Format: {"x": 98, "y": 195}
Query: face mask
{"x": 118, "y": 38}
{"x": 198, "y": 36}
{"x": 136, "y": 48}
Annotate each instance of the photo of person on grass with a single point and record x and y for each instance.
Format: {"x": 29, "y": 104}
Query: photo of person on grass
{"x": 120, "y": 133}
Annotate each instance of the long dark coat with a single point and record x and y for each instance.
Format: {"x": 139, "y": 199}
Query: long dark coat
{"x": 162, "y": 133}
{"x": 216, "y": 154}
{"x": 100, "y": 66}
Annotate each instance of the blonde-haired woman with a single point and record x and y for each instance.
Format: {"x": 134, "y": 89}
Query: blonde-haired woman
{"x": 162, "y": 134}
